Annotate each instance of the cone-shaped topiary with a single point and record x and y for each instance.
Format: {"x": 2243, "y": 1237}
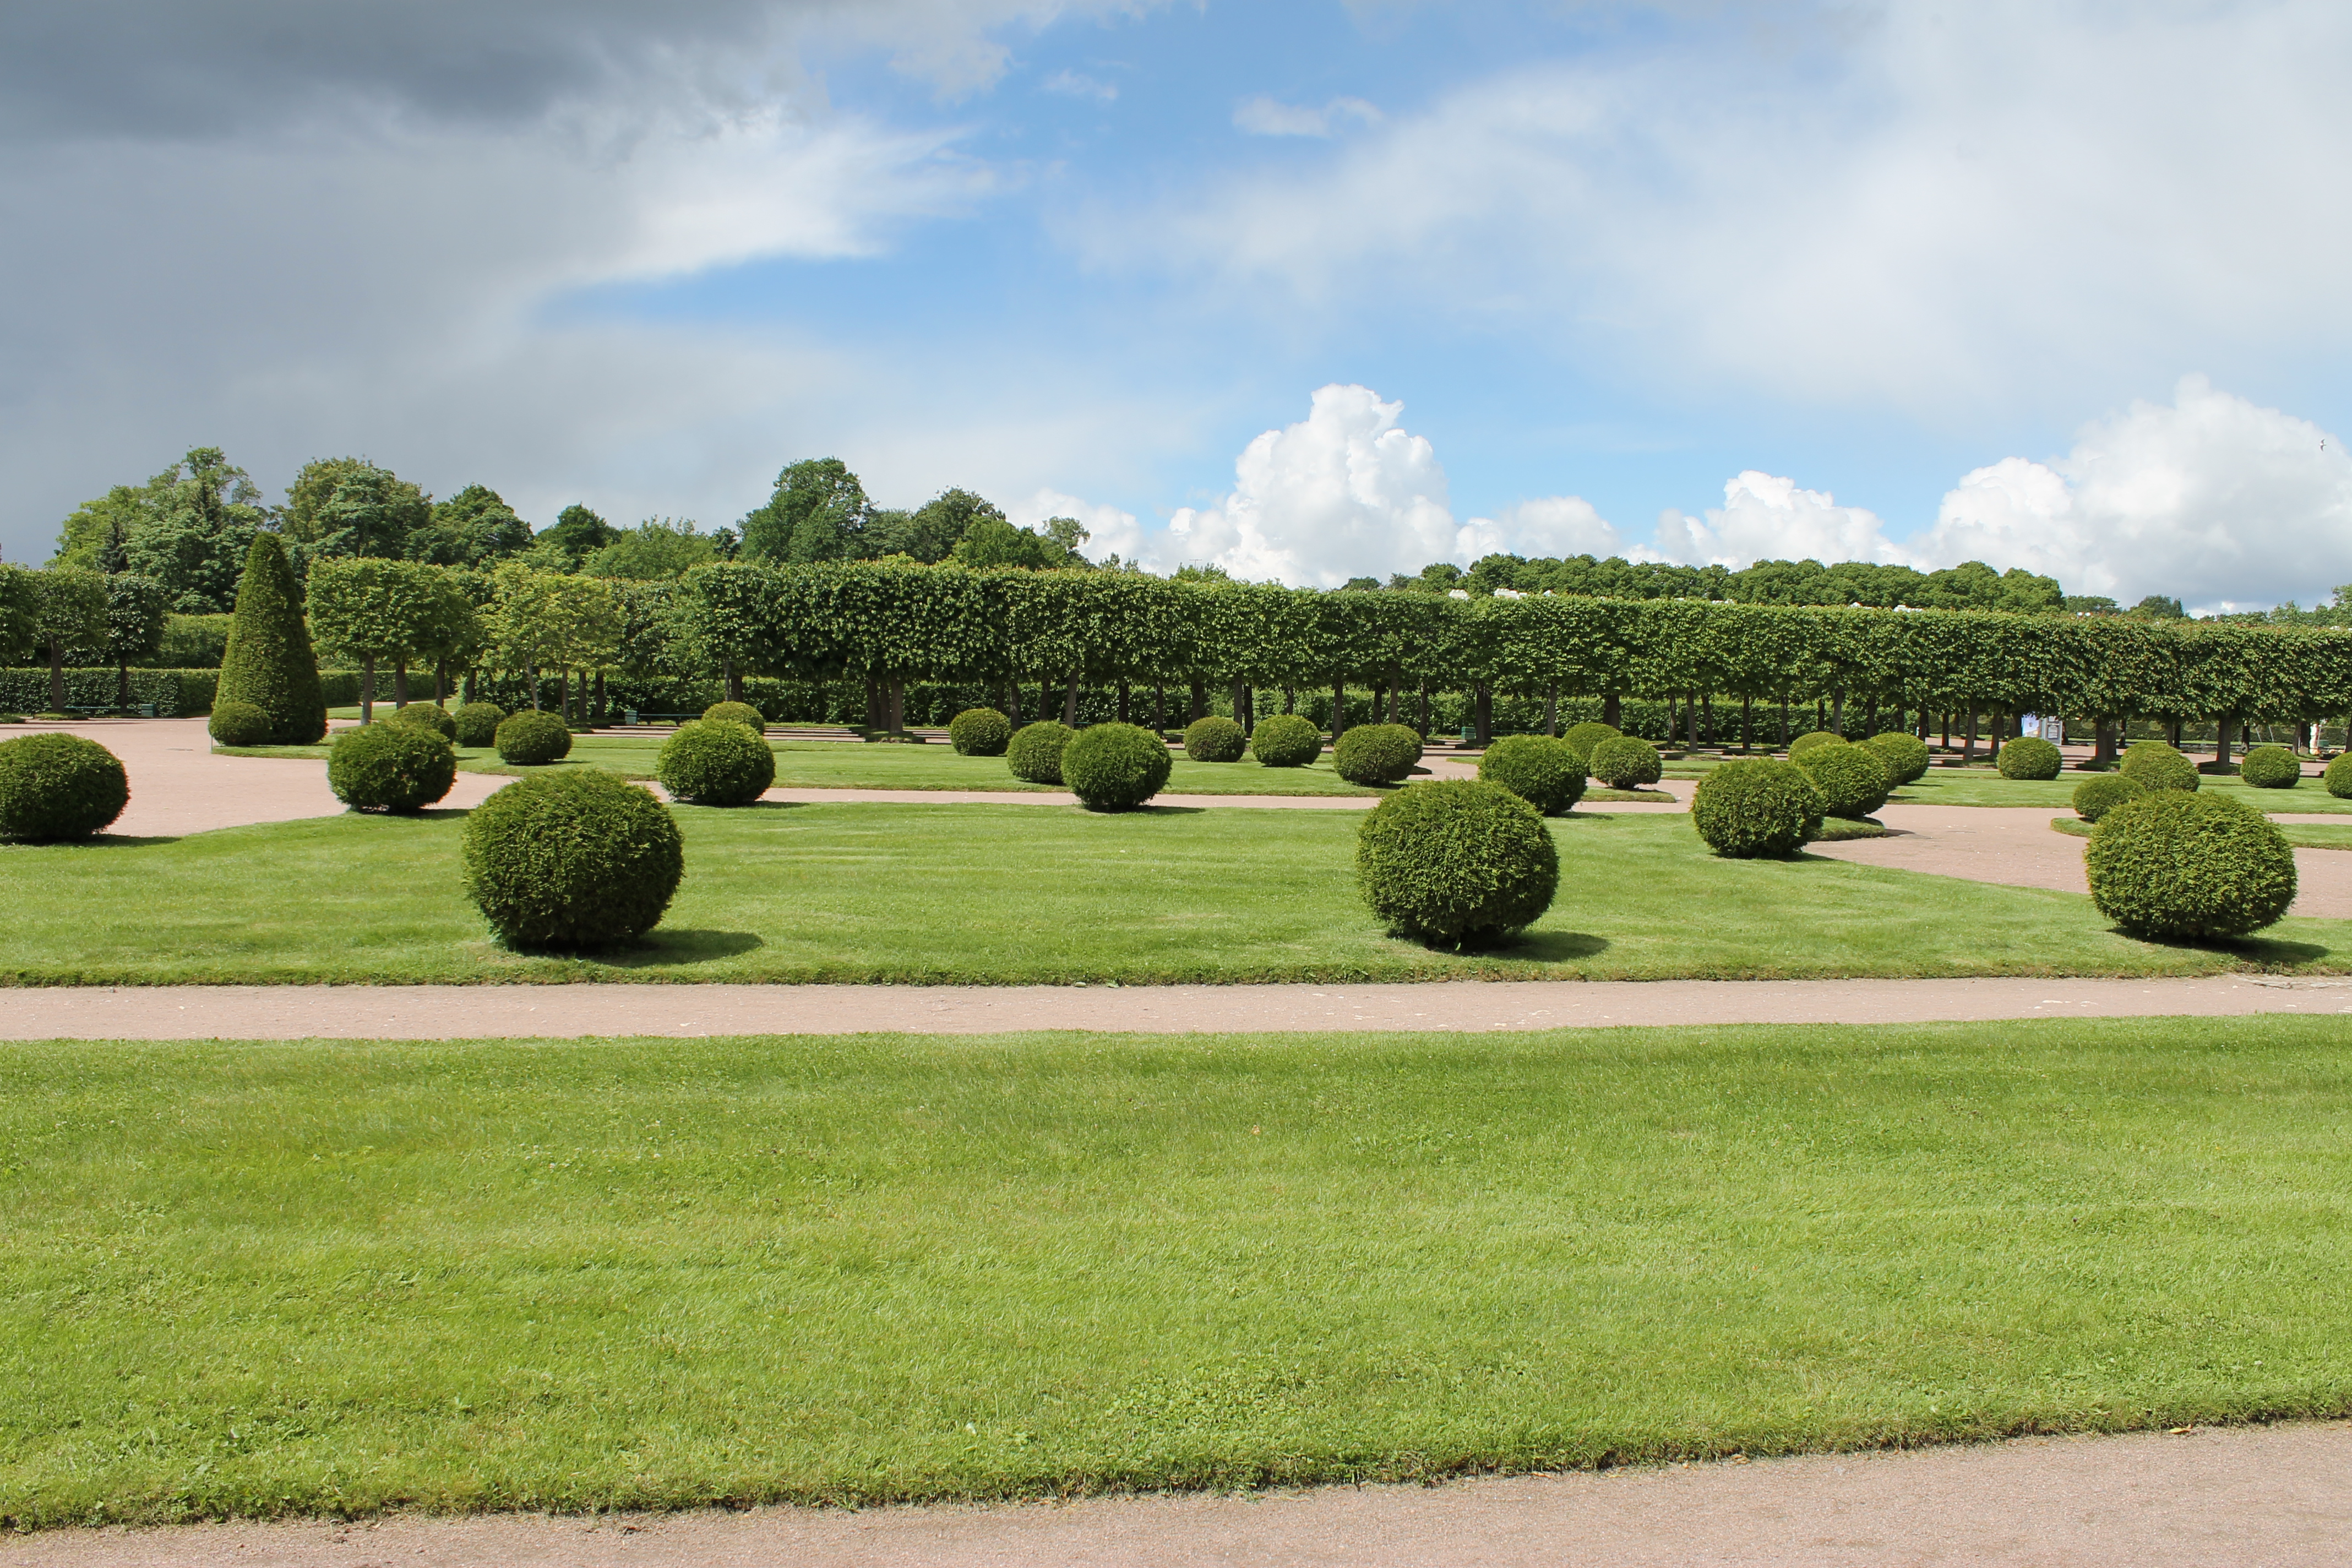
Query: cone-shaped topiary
{"x": 1456, "y": 863}
{"x": 1115, "y": 767}
{"x": 735, "y": 713}
{"x": 1034, "y": 752}
{"x": 571, "y": 860}
{"x": 268, "y": 661}
{"x": 1376, "y": 753}
{"x": 427, "y": 716}
{"x": 1905, "y": 757}
{"x": 531, "y": 737}
{"x": 2337, "y": 779}
{"x": 477, "y": 723}
{"x": 2172, "y": 864}
{"x": 1214, "y": 740}
{"x": 240, "y": 724}
{"x": 1540, "y": 771}
{"x": 1811, "y": 738}
{"x": 55, "y": 787}
{"x": 2271, "y": 767}
{"x": 980, "y": 732}
{"x": 1752, "y": 809}
{"x": 2094, "y": 798}
{"x": 716, "y": 761}
{"x": 391, "y": 767}
{"x": 1851, "y": 779}
{"x": 1627, "y": 762}
{"x": 2158, "y": 766}
{"x": 1287, "y": 740}
{"x": 2031, "y": 757}
{"x": 1581, "y": 738}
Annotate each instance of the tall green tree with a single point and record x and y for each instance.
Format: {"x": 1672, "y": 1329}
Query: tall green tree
{"x": 576, "y": 534}
{"x": 656, "y": 549}
{"x": 817, "y": 513}
{"x": 375, "y": 610}
{"x": 932, "y": 531}
{"x": 269, "y": 662}
{"x": 68, "y": 612}
{"x": 306, "y": 522}
{"x": 203, "y": 514}
{"x": 474, "y": 527}
{"x": 134, "y": 628}
{"x": 98, "y": 534}
{"x": 547, "y": 620}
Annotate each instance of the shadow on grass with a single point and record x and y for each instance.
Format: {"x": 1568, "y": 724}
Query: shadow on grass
{"x": 96, "y": 841}
{"x": 667, "y": 947}
{"x": 2269, "y": 951}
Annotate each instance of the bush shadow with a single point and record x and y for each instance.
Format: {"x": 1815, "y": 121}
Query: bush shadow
{"x": 666, "y": 947}
{"x": 2270, "y": 951}
{"x": 95, "y": 841}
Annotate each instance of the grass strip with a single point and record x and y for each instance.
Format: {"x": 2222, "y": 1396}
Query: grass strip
{"x": 2302, "y": 834}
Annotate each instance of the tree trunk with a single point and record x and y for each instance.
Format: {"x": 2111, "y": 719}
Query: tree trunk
{"x": 440, "y": 682}
{"x": 1290, "y": 699}
{"x": 1124, "y": 699}
{"x": 1969, "y": 751}
{"x": 1240, "y": 696}
{"x": 2102, "y": 741}
{"x": 1485, "y": 700}
{"x": 1424, "y": 711}
{"x": 1690, "y": 710}
{"x": 897, "y": 707}
{"x": 1338, "y": 710}
{"x": 122, "y": 686}
{"x": 1612, "y": 710}
{"x": 1784, "y": 721}
{"x": 1999, "y": 728}
{"x": 1159, "y": 708}
{"x": 1821, "y": 717}
{"x": 399, "y": 684}
{"x": 598, "y": 716}
{"x": 1747, "y": 725}
{"x": 1396, "y": 701}
{"x": 1199, "y": 709}
{"x": 1070, "y": 701}
{"x": 1551, "y": 709}
{"x": 1013, "y": 700}
{"x": 2222, "y": 741}
{"x": 734, "y": 680}
{"x": 472, "y": 684}
{"x": 563, "y": 692}
{"x": 1837, "y": 714}
{"x": 367, "y": 691}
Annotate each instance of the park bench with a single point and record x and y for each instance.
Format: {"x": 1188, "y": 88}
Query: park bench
{"x": 146, "y": 710}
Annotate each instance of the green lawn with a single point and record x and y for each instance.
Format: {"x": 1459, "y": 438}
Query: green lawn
{"x": 1982, "y": 786}
{"x": 2302, "y": 834}
{"x": 1039, "y": 893}
{"x": 336, "y": 1277}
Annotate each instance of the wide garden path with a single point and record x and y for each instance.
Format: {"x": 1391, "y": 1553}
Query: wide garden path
{"x": 2278, "y": 1496}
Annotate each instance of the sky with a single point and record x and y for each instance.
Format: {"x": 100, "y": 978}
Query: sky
{"x": 1309, "y": 290}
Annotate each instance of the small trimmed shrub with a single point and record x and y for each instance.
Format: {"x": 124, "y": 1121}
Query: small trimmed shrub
{"x": 1905, "y": 757}
{"x": 1376, "y": 753}
{"x": 55, "y": 787}
{"x": 1034, "y": 752}
{"x": 1851, "y": 779}
{"x": 2337, "y": 779}
{"x": 2271, "y": 767}
{"x": 390, "y": 767}
{"x": 1115, "y": 767}
{"x": 574, "y": 859}
{"x": 716, "y": 761}
{"x": 980, "y": 732}
{"x": 477, "y": 723}
{"x": 2094, "y": 798}
{"x": 1581, "y": 738}
{"x": 2031, "y": 757}
{"x": 426, "y": 716}
{"x": 1287, "y": 740}
{"x": 1811, "y": 739}
{"x": 1214, "y": 740}
{"x": 2172, "y": 864}
{"x": 532, "y": 737}
{"x": 1456, "y": 863}
{"x": 240, "y": 724}
{"x": 735, "y": 713}
{"x": 1540, "y": 771}
{"x": 2158, "y": 766}
{"x": 1627, "y": 762}
{"x": 1752, "y": 809}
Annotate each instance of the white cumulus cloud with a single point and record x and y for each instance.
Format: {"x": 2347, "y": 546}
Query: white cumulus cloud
{"x": 1766, "y": 517}
{"x": 1110, "y": 531}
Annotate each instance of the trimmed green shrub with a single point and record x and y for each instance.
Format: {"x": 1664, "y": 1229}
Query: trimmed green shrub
{"x": 980, "y": 732}
{"x": 1456, "y": 862}
{"x": 2031, "y": 757}
{"x": 477, "y": 723}
{"x": 1214, "y": 740}
{"x": 1287, "y": 740}
{"x": 1905, "y": 757}
{"x": 1627, "y": 762}
{"x": 55, "y": 787}
{"x": 2271, "y": 767}
{"x": 2337, "y": 779}
{"x": 1376, "y": 753}
{"x": 1812, "y": 739}
{"x": 531, "y": 737}
{"x": 2094, "y": 798}
{"x": 1851, "y": 779}
{"x": 1540, "y": 771}
{"x": 735, "y": 713}
{"x": 426, "y": 716}
{"x": 1752, "y": 809}
{"x": 1115, "y": 767}
{"x": 269, "y": 662}
{"x": 2158, "y": 766}
{"x": 2172, "y": 864}
{"x": 716, "y": 761}
{"x": 574, "y": 859}
{"x": 390, "y": 767}
{"x": 240, "y": 724}
{"x": 1034, "y": 752}
{"x": 1581, "y": 738}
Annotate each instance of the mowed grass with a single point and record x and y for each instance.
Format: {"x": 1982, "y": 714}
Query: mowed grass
{"x": 331, "y": 1277}
{"x": 1959, "y": 786}
{"x": 2302, "y": 834}
{"x": 1003, "y": 894}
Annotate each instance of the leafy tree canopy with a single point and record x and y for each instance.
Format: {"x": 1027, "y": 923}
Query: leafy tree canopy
{"x": 203, "y": 516}
{"x": 576, "y": 534}
{"x": 932, "y": 531}
{"x": 818, "y": 512}
{"x": 656, "y": 549}
{"x": 472, "y": 527}
{"x": 1971, "y": 585}
{"x": 378, "y": 515}
{"x": 993, "y": 542}
{"x": 97, "y": 534}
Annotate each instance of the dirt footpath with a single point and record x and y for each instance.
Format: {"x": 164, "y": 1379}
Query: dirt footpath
{"x": 2276, "y": 1496}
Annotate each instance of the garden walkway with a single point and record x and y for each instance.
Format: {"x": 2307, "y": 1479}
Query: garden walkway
{"x": 2278, "y": 1496}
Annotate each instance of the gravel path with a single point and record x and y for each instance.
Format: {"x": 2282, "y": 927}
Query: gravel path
{"x": 2276, "y": 1496}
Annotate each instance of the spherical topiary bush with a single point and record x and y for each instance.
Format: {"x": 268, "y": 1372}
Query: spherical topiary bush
{"x": 980, "y": 732}
{"x": 2271, "y": 767}
{"x": 1376, "y": 753}
{"x": 2158, "y": 766}
{"x": 426, "y": 716}
{"x": 1748, "y": 810}
{"x": 1581, "y": 738}
{"x": 1851, "y": 779}
{"x": 1905, "y": 757}
{"x": 240, "y": 724}
{"x": 1034, "y": 752}
{"x": 1214, "y": 740}
{"x": 1115, "y": 767}
{"x": 55, "y": 787}
{"x": 571, "y": 860}
{"x": 1287, "y": 740}
{"x": 390, "y": 767}
{"x": 1812, "y": 739}
{"x": 2337, "y": 779}
{"x": 1456, "y": 863}
{"x": 716, "y": 761}
{"x": 735, "y": 713}
{"x": 2031, "y": 757}
{"x": 1627, "y": 762}
{"x": 2094, "y": 798}
{"x": 1540, "y": 771}
{"x": 477, "y": 723}
{"x": 531, "y": 737}
{"x": 2172, "y": 864}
